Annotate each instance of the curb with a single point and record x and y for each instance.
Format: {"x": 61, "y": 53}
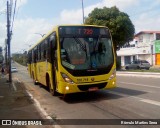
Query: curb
{"x": 37, "y": 104}
{"x": 139, "y": 74}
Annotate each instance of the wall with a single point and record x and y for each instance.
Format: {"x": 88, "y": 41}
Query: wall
{"x": 157, "y": 52}
{"x": 145, "y": 57}
{"x": 144, "y": 49}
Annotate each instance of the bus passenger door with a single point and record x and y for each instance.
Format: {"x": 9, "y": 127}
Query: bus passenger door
{"x": 34, "y": 75}
{"x": 53, "y": 57}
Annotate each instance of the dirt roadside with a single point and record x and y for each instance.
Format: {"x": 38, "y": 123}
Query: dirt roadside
{"x": 15, "y": 103}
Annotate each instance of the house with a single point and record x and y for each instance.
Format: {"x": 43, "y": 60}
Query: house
{"x": 145, "y": 46}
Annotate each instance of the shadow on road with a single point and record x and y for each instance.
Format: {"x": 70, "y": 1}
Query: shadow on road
{"x": 100, "y": 95}
{"x": 129, "y": 92}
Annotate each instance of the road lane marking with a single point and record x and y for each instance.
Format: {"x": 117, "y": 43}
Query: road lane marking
{"x": 38, "y": 105}
{"x": 32, "y": 88}
{"x": 135, "y": 97}
{"x": 151, "y": 102}
{"x": 139, "y": 75}
{"x": 17, "y": 79}
{"x": 150, "y": 86}
{"x": 14, "y": 87}
{"x": 1, "y": 96}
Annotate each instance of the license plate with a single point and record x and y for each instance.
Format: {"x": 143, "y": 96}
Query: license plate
{"x": 93, "y": 89}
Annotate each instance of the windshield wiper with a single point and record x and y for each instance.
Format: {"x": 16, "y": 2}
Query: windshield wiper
{"x": 80, "y": 43}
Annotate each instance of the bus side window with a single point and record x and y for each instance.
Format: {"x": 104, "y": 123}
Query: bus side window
{"x": 44, "y": 54}
{"x": 48, "y": 50}
{"x": 39, "y": 52}
{"x": 53, "y": 41}
{"x": 45, "y": 50}
{"x": 32, "y": 56}
{"x": 42, "y": 50}
{"x": 29, "y": 57}
{"x": 35, "y": 54}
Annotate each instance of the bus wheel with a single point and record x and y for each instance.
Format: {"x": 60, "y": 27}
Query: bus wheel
{"x": 52, "y": 91}
{"x": 34, "y": 81}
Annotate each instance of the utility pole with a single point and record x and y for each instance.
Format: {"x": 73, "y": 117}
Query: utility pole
{"x": 83, "y": 11}
{"x": 6, "y": 50}
{"x": 8, "y": 40}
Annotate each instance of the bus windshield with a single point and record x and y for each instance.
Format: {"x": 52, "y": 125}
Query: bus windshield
{"x": 81, "y": 50}
{"x": 86, "y": 53}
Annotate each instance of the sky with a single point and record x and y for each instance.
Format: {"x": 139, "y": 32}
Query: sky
{"x": 40, "y": 16}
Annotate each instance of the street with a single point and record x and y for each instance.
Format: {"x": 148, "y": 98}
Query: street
{"x": 134, "y": 98}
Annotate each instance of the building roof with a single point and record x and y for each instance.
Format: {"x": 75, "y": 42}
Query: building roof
{"x": 146, "y": 32}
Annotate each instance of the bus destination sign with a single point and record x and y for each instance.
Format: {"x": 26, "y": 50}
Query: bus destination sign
{"x": 82, "y": 31}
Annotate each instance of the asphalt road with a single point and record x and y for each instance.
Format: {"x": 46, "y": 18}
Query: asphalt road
{"x": 135, "y": 98}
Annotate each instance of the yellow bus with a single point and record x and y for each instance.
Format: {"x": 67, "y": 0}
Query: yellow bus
{"x": 74, "y": 58}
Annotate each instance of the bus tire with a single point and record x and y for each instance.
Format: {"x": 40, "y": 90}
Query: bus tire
{"x": 52, "y": 91}
{"x": 34, "y": 81}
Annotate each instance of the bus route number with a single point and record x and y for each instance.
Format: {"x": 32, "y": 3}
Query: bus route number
{"x": 85, "y": 31}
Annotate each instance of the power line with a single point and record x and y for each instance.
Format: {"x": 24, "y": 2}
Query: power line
{"x": 14, "y": 15}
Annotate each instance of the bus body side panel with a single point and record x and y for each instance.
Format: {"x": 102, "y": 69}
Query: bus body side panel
{"x": 33, "y": 71}
{"x": 41, "y": 72}
{"x": 44, "y": 68}
{"x": 29, "y": 70}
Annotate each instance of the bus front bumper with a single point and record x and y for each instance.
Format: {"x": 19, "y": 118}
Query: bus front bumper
{"x": 66, "y": 88}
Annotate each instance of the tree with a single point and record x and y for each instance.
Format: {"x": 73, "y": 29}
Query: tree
{"x": 119, "y": 23}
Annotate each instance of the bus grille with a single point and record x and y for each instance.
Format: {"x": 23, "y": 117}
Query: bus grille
{"x": 86, "y": 87}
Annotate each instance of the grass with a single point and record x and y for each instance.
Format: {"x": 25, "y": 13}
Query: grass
{"x": 144, "y": 70}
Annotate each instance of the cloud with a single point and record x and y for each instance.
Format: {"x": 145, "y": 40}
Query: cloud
{"x": 24, "y": 34}
{"x": 156, "y": 3}
{"x": 3, "y": 29}
{"x": 75, "y": 16}
{"x": 20, "y": 2}
{"x": 121, "y": 4}
{"x": 3, "y": 33}
{"x": 71, "y": 16}
{"x": 145, "y": 22}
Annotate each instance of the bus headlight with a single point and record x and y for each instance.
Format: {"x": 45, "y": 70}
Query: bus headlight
{"x": 67, "y": 88}
{"x": 113, "y": 74}
{"x": 66, "y": 78}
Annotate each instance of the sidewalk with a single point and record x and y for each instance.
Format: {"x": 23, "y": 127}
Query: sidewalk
{"x": 16, "y": 104}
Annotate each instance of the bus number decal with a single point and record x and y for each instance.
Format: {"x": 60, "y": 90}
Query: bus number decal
{"x": 82, "y": 80}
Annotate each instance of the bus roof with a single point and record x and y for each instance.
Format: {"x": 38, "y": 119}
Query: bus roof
{"x": 56, "y": 28}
